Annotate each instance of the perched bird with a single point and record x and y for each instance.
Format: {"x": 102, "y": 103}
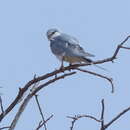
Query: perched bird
{"x": 67, "y": 48}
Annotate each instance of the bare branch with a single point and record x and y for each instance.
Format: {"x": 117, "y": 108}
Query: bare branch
{"x": 102, "y": 115}
{"x": 1, "y": 105}
{"x": 115, "y": 53}
{"x": 128, "y": 48}
{"x": 99, "y": 75}
{"x": 20, "y": 111}
{"x": 42, "y": 123}
{"x": 82, "y": 116}
{"x": 77, "y": 117}
{"x": 26, "y": 87}
{"x": 101, "y": 121}
{"x": 51, "y": 81}
{"x": 38, "y": 127}
{"x": 40, "y": 110}
{"x": 27, "y": 99}
{"x": 117, "y": 117}
{"x": 4, "y": 127}
{"x": 113, "y": 57}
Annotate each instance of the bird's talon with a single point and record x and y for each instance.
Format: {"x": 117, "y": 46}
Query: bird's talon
{"x": 62, "y": 69}
{"x": 69, "y": 66}
{"x": 69, "y": 70}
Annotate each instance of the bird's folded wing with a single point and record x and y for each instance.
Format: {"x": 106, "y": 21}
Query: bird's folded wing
{"x": 71, "y": 45}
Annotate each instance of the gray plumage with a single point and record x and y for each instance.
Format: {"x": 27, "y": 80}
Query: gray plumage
{"x": 67, "y": 48}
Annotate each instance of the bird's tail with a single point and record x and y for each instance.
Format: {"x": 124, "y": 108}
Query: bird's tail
{"x": 87, "y": 60}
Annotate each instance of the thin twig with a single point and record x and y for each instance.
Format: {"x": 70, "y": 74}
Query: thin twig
{"x": 99, "y": 75}
{"x": 20, "y": 111}
{"x": 103, "y": 125}
{"x": 4, "y": 127}
{"x": 102, "y": 115}
{"x": 125, "y": 47}
{"x": 35, "y": 84}
{"x": 115, "y": 53}
{"x": 82, "y": 116}
{"x": 42, "y": 123}
{"x": 51, "y": 81}
{"x": 40, "y": 110}
{"x": 39, "y": 124}
{"x": 1, "y": 105}
{"x": 117, "y": 117}
{"x": 77, "y": 117}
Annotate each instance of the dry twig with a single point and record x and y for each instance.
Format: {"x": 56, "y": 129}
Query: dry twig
{"x": 42, "y": 123}
{"x": 6, "y": 127}
{"x": 102, "y": 115}
{"x": 99, "y": 75}
{"x": 40, "y": 110}
{"x": 1, "y": 105}
{"x": 77, "y": 117}
{"x": 101, "y": 120}
{"x": 29, "y": 96}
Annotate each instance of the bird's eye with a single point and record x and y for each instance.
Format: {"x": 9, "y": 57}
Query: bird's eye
{"x": 50, "y": 34}
{"x": 53, "y": 32}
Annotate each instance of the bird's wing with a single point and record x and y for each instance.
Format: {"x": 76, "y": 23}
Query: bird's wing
{"x": 72, "y": 44}
{"x": 81, "y": 50}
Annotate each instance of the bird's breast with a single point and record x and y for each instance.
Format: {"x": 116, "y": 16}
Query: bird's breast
{"x": 72, "y": 59}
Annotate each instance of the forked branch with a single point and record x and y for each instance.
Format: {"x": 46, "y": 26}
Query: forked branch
{"x": 103, "y": 125}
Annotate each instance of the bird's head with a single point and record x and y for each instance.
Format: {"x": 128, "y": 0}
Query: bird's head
{"x": 52, "y": 33}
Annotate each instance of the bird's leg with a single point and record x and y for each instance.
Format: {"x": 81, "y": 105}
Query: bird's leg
{"x": 70, "y": 65}
{"x": 62, "y": 64}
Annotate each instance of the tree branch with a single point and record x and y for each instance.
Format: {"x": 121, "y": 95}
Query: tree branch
{"x": 1, "y": 105}
{"x": 29, "y": 96}
{"x": 6, "y": 127}
{"x": 40, "y": 110}
{"x": 99, "y": 75}
{"x": 42, "y": 123}
{"x": 77, "y": 117}
{"x": 117, "y": 117}
{"x": 102, "y": 115}
{"x": 128, "y": 48}
{"x": 103, "y": 125}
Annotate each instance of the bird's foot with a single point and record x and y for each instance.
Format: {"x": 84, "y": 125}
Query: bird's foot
{"x": 61, "y": 68}
{"x": 70, "y": 67}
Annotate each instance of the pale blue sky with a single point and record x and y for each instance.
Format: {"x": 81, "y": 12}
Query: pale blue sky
{"x": 24, "y": 51}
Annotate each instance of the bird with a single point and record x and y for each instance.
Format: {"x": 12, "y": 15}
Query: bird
{"x": 67, "y": 48}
